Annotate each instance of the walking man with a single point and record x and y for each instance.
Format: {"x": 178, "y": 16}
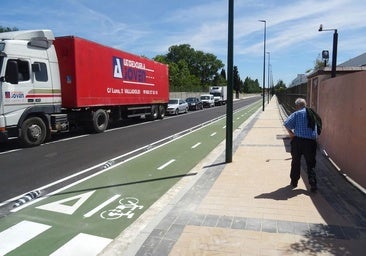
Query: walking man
{"x": 303, "y": 134}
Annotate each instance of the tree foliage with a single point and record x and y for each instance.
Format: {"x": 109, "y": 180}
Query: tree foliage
{"x": 319, "y": 63}
{"x": 192, "y": 70}
{"x": 279, "y": 87}
{"x": 7, "y": 29}
{"x": 251, "y": 86}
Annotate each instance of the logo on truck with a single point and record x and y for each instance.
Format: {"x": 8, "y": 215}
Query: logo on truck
{"x": 129, "y": 70}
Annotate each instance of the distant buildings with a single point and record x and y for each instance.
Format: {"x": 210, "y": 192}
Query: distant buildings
{"x": 300, "y": 79}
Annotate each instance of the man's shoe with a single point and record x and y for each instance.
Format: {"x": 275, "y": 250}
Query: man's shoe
{"x": 294, "y": 183}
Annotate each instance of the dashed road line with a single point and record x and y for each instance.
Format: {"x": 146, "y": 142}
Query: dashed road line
{"x": 166, "y": 164}
{"x": 196, "y": 145}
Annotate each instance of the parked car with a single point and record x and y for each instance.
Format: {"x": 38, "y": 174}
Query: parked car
{"x": 194, "y": 103}
{"x": 176, "y": 106}
{"x": 207, "y": 100}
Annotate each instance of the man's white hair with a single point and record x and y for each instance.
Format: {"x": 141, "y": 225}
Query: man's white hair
{"x": 300, "y": 102}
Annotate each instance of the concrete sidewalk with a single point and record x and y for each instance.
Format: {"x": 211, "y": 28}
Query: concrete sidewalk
{"x": 247, "y": 207}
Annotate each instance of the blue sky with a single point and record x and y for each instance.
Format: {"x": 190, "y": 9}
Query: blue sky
{"x": 150, "y": 27}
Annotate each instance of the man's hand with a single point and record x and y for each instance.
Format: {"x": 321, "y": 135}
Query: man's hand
{"x": 292, "y": 135}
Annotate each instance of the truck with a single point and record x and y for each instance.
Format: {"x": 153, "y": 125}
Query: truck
{"x": 207, "y": 100}
{"x": 220, "y": 94}
{"x": 51, "y": 84}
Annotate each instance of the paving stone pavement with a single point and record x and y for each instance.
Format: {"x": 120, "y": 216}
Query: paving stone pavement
{"x": 247, "y": 207}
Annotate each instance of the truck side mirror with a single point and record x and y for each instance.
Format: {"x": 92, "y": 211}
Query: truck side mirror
{"x": 36, "y": 67}
{"x": 11, "y": 74}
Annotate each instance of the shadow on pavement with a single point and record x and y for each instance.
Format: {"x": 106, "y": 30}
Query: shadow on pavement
{"x": 284, "y": 193}
{"x": 127, "y": 183}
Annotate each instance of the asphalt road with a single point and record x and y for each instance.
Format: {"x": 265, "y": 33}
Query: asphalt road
{"x": 23, "y": 170}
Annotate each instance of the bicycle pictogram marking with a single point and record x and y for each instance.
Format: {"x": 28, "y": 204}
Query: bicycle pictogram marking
{"x": 126, "y": 207}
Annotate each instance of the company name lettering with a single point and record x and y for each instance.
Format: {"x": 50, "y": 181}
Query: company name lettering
{"x": 14, "y": 95}
{"x": 129, "y": 70}
{"x": 133, "y": 64}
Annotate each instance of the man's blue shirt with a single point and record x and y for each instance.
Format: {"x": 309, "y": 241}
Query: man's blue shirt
{"x": 298, "y": 123}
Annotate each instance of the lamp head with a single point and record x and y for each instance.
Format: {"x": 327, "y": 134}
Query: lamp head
{"x": 325, "y": 54}
{"x": 321, "y": 27}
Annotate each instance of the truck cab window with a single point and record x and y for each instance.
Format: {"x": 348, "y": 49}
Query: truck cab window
{"x": 22, "y": 68}
{"x": 41, "y": 75}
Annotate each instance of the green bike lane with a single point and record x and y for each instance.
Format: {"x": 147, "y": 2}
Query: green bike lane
{"x": 83, "y": 218}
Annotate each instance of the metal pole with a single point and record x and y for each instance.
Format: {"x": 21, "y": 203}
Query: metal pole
{"x": 334, "y": 57}
{"x": 335, "y": 46}
{"x": 268, "y": 82}
{"x": 264, "y": 63}
{"x": 230, "y": 85}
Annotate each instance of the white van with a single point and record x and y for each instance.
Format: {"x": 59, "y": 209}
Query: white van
{"x": 207, "y": 100}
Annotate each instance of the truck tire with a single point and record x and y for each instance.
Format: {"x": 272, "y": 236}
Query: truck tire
{"x": 154, "y": 113}
{"x": 33, "y": 132}
{"x": 100, "y": 120}
{"x": 161, "y": 112}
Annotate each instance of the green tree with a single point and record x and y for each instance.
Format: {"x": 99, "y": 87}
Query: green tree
{"x": 181, "y": 79}
{"x": 280, "y": 86}
{"x": 251, "y": 86}
{"x": 196, "y": 65}
{"x": 223, "y": 73}
{"x": 237, "y": 81}
{"x": 7, "y": 29}
{"x": 319, "y": 63}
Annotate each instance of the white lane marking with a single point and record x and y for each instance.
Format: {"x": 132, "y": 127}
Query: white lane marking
{"x": 59, "y": 206}
{"x": 101, "y": 206}
{"x": 83, "y": 244}
{"x": 213, "y": 134}
{"x": 166, "y": 164}
{"x": 19, "y": 234}
{"x": 196, "y": 145}
{"x": 10, "y": 151}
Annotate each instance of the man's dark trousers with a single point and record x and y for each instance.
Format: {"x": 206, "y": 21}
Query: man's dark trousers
{"x": 306, "y": 147}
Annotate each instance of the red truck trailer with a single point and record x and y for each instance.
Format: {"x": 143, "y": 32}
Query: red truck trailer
{"x": 95, "y": 75}
{"x": 51, "y": 84}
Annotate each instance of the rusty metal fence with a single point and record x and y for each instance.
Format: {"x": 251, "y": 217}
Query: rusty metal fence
{"x": 287, "y": 97}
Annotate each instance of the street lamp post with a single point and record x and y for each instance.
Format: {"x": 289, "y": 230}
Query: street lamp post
{"x": 264, "y": 61}
{"x": 268, "y": 82}
{"x": 335, "y": 46}
{"x": 230, "y": 85}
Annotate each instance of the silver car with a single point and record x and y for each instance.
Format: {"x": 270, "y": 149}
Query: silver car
{"x": 177, "y": 106}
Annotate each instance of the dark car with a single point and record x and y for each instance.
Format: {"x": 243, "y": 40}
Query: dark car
{"x": 194, "y": 103}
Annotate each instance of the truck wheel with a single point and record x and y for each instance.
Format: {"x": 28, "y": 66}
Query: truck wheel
{"x": 161, "y": 112}
{"x": 100, "y": 120}
{"x": 33, "y": 132}
{"x": 154, "y": 113}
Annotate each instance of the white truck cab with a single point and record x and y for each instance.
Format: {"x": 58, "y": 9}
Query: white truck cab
{"x": 29, "y": 84}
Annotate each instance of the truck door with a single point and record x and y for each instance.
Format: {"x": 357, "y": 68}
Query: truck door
{"x": 15, "y": 87}
{"x": 43, "y": 87}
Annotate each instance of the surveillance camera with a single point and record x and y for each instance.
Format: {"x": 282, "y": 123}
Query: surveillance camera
{"x": 321, "y": 27}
